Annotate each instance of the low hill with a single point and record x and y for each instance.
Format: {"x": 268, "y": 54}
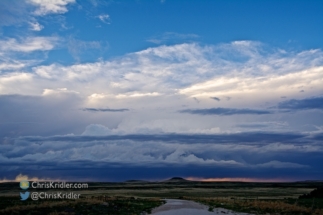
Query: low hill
{"x": 177, "y": 179}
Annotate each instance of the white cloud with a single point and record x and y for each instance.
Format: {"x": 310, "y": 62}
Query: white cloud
{"x": 274, "y": 84}
{"x": 195, "y": 71}
{"x": 45, "y": 7}
{"x": 35, "y": 26}
{"x": 47, "y": 92}
{"x": 10, "y": 81}
{"x": 12, "y": 66}
{"x": 29, "y": 44}
{"x": 104, "y": 18}
{"x": 78, "y": 72}
{"x": 13, "y": 55}
{"x": 156, "y": 83}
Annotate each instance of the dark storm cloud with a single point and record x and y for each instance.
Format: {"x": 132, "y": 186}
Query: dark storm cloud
{"x": 231, "y": 155}
{"x": 215, "y": 98}
{"x": 87, "y": 171}
{"x": 247, "y": 137}
{"x": 252, "y": 125}
{"x": 105, "y": 110}
{"x": 318, "y": 137}
{"x": 225, "y": 111}
{"x": 302, "y": 104}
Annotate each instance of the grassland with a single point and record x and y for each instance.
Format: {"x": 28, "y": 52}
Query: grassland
{"x": 90, "y": 206}
{"x": 255, "y": 206}
{"x": 138, "y": 197}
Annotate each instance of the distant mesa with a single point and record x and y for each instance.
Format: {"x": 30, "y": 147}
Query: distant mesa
{"x": 173, "y": 179}
{"x": 177, "y": 179}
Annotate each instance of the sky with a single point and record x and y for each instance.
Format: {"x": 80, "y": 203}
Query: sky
{"x": 122, "y": 90}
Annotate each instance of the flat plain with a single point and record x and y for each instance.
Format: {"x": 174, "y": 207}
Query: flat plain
{"x": 140, "y": 197}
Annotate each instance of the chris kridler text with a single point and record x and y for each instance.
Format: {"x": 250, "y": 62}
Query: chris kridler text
{"x": 50, "y": 185}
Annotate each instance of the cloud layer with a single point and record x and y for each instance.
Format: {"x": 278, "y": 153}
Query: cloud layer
{"x": 186, "y": 69}
{"x": 224, "y": 111}
{"x": 257, "y": 151}
{"x": 302, "y": 104}
{"x": 89, "y": 94}
{"x": 202, "y": 107}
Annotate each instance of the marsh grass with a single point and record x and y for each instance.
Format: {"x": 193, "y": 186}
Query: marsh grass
{"x": 96, "y": 206}
{"x": 134, "y": 198}
{"x": 282, "y": 207}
